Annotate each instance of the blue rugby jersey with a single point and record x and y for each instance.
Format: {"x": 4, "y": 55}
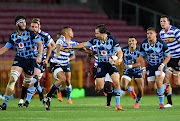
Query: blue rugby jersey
{"x": 49, "y": 39}
{"x": 130, "y": 58}
{"x": 172, "y": 38}
{"x": 24, "y": 43}
{"x": 104, "y": 49}
{"x": 45, "y": 42}
{"x": 63, "y": 58}
{"x": 155, "y": 53}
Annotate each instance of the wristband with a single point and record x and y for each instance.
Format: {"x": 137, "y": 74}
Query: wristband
{"x": 162, "y": 65}
{"x": 39, "y": 55}
{"x": 129, "y": 66}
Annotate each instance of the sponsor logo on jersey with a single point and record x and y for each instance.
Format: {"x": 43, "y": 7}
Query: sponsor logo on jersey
{"x": 25, "y": 37}
{"x": 168, "y": 40}
{"x": 103, "y": 52}
{"x": 130, "y": 61}
{"x": 158, "y": 50}
{"x": 21, "y": 45}
{"x": 109, "y": 47}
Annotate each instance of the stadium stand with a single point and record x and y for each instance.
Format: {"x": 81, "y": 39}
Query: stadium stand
{"x": 82, "y": 20}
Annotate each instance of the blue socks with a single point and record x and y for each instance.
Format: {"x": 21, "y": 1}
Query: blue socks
{"x": 161, "y": 94}
{"x": 137, "y": 100}
{"x": 129, "y": 88}
{"x": 59, "y": 89}
{"x": 30, "y": 93}
{"x": 6, "y": 100}
{"x": 69, "y": 89}
{"x": 117, "y": 96}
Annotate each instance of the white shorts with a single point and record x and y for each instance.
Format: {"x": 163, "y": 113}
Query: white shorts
{"x": 153, "y": 78}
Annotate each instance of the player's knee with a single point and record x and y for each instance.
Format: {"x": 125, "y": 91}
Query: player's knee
{"x": 13, "y": 78}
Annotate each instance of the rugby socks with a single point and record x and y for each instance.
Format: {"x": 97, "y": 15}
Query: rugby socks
{"x": 69, "y": 89}
{"x": 109, "y": 96}
{"x": 137, "y": 100}
{"x": 30, "y": 93}
{"x": 117, "y": 96}
{"x": 54, "y": 87}
{"x": 130, "y": 88}
{"x": 59, "y": 89}
{"x": 169, "y": 99}
{"x": 24, "y": 91}
{"x": 39, "y": 88}
{"x": 161, "y": 94}
{"x": 6, "y": 100}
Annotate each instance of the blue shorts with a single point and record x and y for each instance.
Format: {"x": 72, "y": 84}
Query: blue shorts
{"x": 129, "y": 75}
{"x": 40, "y": 66}
{"x": 104, "y": 68}
{"x": 27, "y": 64}
{"x": 152, "y": 71}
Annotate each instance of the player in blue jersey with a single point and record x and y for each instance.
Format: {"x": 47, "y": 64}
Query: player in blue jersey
{"x": 106, "y": 45}
{"x": 39, "y": 67}
{"x": 24, "y": 41}
{"x": 158, "y": 56}
{"x": 132, "y": 68}
{"x": 108, "y": 81}
{"x": 60, "y": 65}
{"x": 171, "y": 35}
{"x": 45, "y": 55}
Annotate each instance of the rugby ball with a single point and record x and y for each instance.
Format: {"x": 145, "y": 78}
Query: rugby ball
{"x": 111, "y": 58}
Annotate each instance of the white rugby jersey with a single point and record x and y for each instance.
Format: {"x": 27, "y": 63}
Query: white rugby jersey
{"x": 63, "y": 58}
{"x": 94, "y": 48}
{"x": 172, "y": 39}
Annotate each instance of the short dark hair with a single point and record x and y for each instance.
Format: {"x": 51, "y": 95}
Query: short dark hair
{"x": 132, "y": 37}
{"x": 20, "y": 16}
{"x": 63, "y": 29}
{"x": 102, "y": 29}
{"x": 152, "y": 28}
{"x": 165, "y": 16}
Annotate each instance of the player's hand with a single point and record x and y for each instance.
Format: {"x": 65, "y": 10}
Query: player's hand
{"x": 160, "y": 69}
{"x": 45, "y": 61}
{"x": 38, "y": 59}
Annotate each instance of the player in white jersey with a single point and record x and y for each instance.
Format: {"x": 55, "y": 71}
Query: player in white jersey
{"x": 108, "y": 81}
{"x": 171, "y": 35}
{"x": 60, "y": 65}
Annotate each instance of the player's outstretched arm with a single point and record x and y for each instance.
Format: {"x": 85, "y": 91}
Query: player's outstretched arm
{"x": 4, "y": 50}
{"x": 80, "y": 45}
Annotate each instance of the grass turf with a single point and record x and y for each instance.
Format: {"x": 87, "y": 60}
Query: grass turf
{"x": 92, "y": 109}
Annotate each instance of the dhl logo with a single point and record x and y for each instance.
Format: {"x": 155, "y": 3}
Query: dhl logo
{"x": 168, "y": 40}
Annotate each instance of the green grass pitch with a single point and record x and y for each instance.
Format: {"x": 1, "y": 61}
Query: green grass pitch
{"x": 92, "y": 109}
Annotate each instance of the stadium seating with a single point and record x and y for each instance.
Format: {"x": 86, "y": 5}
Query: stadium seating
{"x": 82, "y": 21}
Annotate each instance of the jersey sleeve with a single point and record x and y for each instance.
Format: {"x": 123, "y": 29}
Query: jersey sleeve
{"x": 90, "y": 43}
{"x": 142, "y": 51}
{"x": 177, "y": 34}
{"x": 46, "y": 40}
{"x": 115, "y": 43}
{"x": 59, "y": 41}
{"x": 10, "y": 43}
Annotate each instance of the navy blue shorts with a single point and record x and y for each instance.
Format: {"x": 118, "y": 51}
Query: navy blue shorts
{"x": 104, "y": 68}
{"x": 27, "y": 64}
{"x": 137, "y": 74}
{"x": 152, "y": 71}
{"x": 40, "y": 66}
